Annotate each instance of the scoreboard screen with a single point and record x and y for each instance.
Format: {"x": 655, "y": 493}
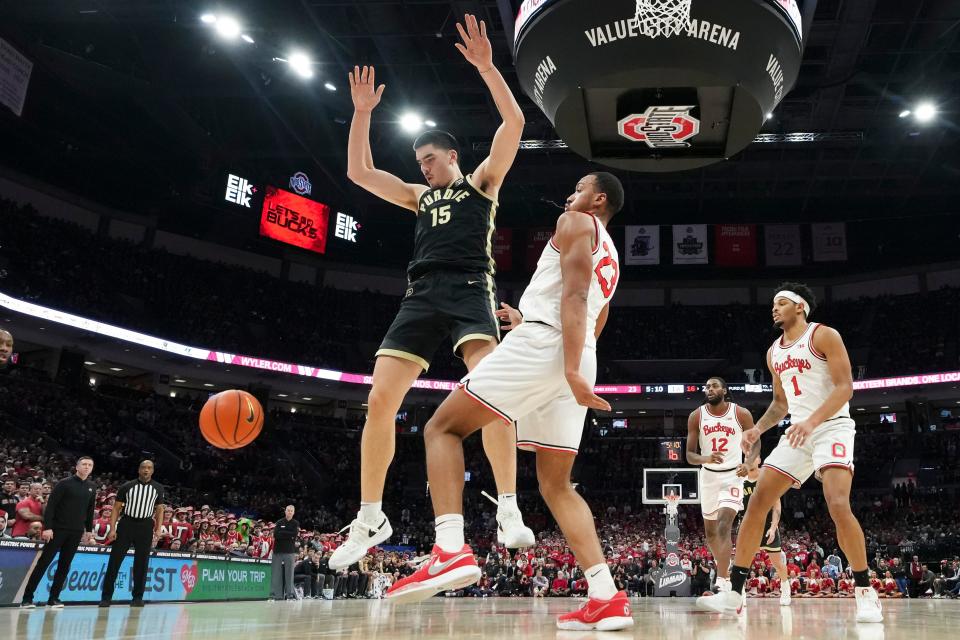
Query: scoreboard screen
{"x": 672, "y": 450}
{"x": 294, "y": 220}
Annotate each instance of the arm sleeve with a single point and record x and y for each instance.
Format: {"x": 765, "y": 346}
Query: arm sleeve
{"x": 50, "y": 512}
{"x": 88, "y": 524}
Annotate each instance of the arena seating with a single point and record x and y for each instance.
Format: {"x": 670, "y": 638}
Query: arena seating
{"x": 244, "y": 311}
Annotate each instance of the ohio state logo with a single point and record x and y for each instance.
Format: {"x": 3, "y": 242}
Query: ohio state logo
{"x": 660, "y": 127}
{"x": 300, "y": 183}
{"x": 672, "y": 560}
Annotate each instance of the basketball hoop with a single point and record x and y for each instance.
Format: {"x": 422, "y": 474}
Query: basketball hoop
{"x": 663, "y": 17}
{"x": 673, "y": 504}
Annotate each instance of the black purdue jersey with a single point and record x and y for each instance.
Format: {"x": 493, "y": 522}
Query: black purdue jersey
{"x": 455, "y": 228}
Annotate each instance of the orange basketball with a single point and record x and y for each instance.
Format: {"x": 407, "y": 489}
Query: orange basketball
{"x": 231, "y": 419}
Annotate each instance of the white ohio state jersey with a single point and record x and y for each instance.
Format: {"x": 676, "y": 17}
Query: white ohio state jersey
{"x": 540, "y": 301}
{"x": 804, "y": 374}
{"x": 721, "y": 434}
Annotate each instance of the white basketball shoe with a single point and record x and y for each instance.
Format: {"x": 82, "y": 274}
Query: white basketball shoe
{"x": 726, "y": 602}
{"x": 785, "y": 596}
{"x": 511, "y": 532}
{"x": 362, "y": 537}
{"x": 868, "y": 605}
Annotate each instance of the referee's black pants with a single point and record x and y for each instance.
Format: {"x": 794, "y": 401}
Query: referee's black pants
{"x": 66, "y": 542}
{"x": 136, "y": 532}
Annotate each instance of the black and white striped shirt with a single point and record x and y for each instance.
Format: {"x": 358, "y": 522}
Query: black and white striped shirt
{"x": 139, "y": 499}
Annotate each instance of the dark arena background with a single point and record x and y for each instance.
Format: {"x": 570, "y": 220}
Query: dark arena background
{"x": 176, "y": 221}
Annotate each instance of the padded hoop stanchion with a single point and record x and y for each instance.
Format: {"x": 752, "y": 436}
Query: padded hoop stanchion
{"x": 623, "y": 92}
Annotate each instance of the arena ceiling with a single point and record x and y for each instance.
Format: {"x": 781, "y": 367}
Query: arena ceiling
{"x": 139, "y": 102}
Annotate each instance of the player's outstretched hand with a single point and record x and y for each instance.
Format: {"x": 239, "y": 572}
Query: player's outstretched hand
{"x": 750, "y": 436}
{"x": 509, "y": 316}
{"x": 771, "y": 532}
{"x": 364, "y": 90}
{"x": 742, "y": 470}
{"x": 583, "y": 392}
{"x": 716, "y": 458}
{"x": 476, "y": 46}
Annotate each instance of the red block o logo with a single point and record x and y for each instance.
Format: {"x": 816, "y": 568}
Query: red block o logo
{"x": 660, "y": 126}
{"x": 839, "y": 450}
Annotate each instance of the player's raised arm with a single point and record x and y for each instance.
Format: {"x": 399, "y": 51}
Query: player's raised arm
{"x": 575, "y": 238}
{"x": 476, "y": 48}
{"x": 360, "y": 168}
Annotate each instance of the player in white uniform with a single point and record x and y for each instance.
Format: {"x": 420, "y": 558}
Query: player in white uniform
{"x": 812, "y": 382}
{"x": 714, "y": 435}
{"x": 541, "y": 377}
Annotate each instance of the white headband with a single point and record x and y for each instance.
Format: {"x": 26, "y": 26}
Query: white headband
{"x": 793, "y": 297}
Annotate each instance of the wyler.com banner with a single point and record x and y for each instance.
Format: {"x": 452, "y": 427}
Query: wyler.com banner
{"x": 736, "y": 245}
{"x": 642, "y": 244}
{"x": 294, "y": 220}
{"x": 689, "y": 244}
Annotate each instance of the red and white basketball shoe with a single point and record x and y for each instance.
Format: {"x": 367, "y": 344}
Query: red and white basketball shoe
{"x": 440, "y": 571}
{"x": 599, "y": 615}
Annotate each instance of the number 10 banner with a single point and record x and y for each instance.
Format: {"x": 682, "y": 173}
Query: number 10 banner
{"x": 829, "y": 242}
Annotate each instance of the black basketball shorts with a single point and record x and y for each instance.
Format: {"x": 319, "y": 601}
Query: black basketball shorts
{"x": 440, "y": 304}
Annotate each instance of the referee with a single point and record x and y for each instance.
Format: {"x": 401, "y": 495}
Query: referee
{"x": 68, "y": 514}
{"x": 141, "y": 502}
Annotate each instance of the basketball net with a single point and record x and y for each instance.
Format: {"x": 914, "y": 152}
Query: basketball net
{"x": 663, "y": 17}
{"x": 673, "y": 504}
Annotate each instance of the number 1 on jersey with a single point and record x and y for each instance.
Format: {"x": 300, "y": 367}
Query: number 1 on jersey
{"x": 796, "y": 386}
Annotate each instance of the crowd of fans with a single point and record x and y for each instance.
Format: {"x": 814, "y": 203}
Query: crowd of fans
{"x": 224, "y": 502}
{"x": 239, "y": 310}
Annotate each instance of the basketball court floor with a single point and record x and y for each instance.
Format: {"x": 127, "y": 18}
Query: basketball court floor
{"x": 656, "y": 618}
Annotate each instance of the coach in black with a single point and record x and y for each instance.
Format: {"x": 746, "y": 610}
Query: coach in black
{"x": 68, "y": 514}
{"x": 141, "y": 503}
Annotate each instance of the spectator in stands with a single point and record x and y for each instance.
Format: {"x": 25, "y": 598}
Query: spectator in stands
{"x": 899, "y": 573}
{"x": 560, "y": 586}
{"x": 29, "y": 510}
{"x": 306, "y": 575}
{"x": 3, "y": 527}
{"x": 926, "y": 582}
{"x": 9, "y": 499}
{"x": 539, "y": 584}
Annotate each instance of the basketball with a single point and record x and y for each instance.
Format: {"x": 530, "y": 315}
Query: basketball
{"x": 231, "y": 419}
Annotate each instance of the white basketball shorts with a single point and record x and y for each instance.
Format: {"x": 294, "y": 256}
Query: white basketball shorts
{"x": 829, "y": 445}
{"x": 522, "y": 381}
{"x": 720, "y": 490}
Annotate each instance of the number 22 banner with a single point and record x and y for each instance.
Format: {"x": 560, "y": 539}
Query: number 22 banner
{"x": 782, "y": 242}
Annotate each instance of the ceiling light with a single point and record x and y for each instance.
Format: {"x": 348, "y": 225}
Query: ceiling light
{"x": 430, "y": 123}
{"x": 173, "y": 394}
{"x": 116, "y": 369}
{"x": 246, "y": 38}
{"x": 293, "y": 409}
{"x": 860, "y": 409}
{"x": 329, "y": 86}
{"x": 93, "y": 381}
{"x": 305, "y": 398}
{"x": 769, "y": 115}
{"x": 411, "y": 122}
{"x": 905, "y": 113}
{"x": 885, "y": 407}
{"x": 228, "y": 28}
{"x": 179, "y": 380}
{"x": 300, "y": 64}
{"x": 642, "y": 412}
{"x": 88, "y": 363}
{"x": 207, "y": 384}
{"x": 208, "y": 18}
{"x": 925, "y": 112}
{"x": 281, "y": 395}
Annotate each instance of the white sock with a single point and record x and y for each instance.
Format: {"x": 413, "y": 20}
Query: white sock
{"x": 599, "y": 582}
{"x": 507, "y": 502}
{"x": 450, "y": 532}
{"x": 370, "y": 512}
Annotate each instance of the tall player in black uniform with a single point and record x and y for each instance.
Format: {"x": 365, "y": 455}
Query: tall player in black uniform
{"x": 770, "y": 542}
{"x": 450, "y": 291}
